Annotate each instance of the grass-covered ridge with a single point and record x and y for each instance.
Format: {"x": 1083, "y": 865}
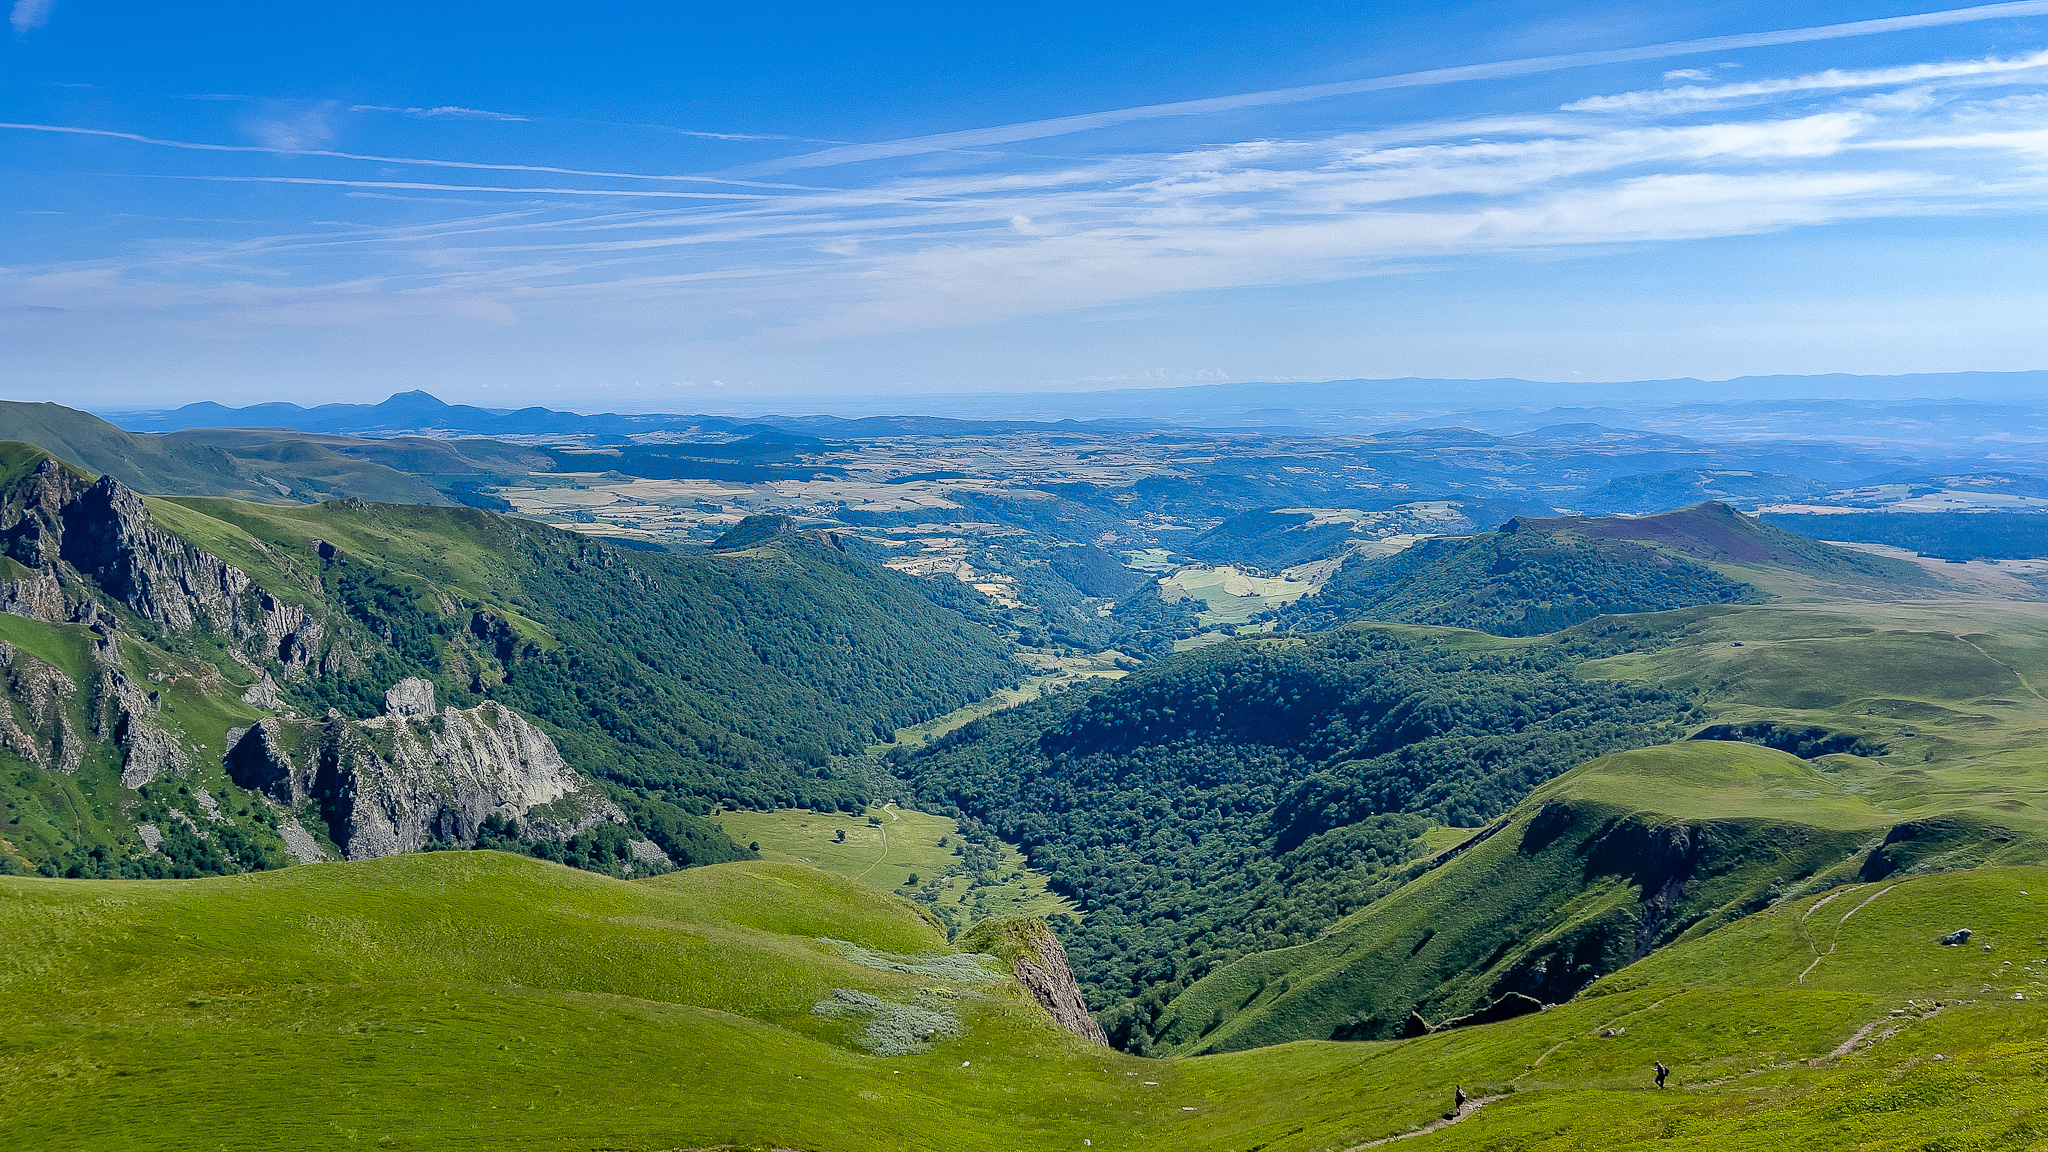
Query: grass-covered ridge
{"x": 543, "y": 1008}
{"x": 1532, "y": 576}
{"x": 1628, "y": 853}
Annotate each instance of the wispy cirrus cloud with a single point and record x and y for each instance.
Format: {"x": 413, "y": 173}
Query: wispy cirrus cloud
{"x": 29, "y": 15}
{"x": 1830, "y": 80}
{"x": 444, "y": 112}
{"x": 287, "y": 139}
{"x": 1091, "y": 121}
{"x": 1009, "y": 235}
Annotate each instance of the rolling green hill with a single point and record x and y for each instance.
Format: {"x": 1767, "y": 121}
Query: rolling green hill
{"x": 146, "y": 463}
{"x": 1532, "y": 576}
{"x": 1594, "y": 871}
{"x": 1625, "y": 854}
{"x": 768, "y": 1005}
{"x": 270, "y": 465}
{"x": 397, "y": 469}
{"x": 1527, "y": 577}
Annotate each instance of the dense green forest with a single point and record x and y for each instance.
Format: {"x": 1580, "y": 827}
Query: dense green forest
{"x": 1245, "y": 796}
{"x": 1270, "y": 539}
{"x": 1948, "y": 535}
{"x": 731, "y": 677}
{"x": 1524, "y": 579}
{"x": 735, "y": 676}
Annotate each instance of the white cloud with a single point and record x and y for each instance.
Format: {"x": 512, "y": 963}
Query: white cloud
{"x": 30, "y": 14}
{"x": 282, "y": 130}
{"x": 2013, "y": 69}
{"x": 1015, "y": 236}
{"x": 1688, "y": 74}
{"x": 1086, "y": 122}
{"x": 444, "y": 112}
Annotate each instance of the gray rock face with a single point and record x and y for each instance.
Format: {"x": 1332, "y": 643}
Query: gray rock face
{"x": 411, "y": 697}
{"x": 394, "y": 783}
{"x": 108, "y": 536}
{"x": 32, "y": 721}
{"x": 36, "y": 597}
{"x": 1043, "y": 971}
{"x": 123, "y": 712}
{"x": 290, "y": 635}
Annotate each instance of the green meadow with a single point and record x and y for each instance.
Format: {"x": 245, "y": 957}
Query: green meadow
{"x": 886, "y": 847}
{"x": 542, "y": 1008}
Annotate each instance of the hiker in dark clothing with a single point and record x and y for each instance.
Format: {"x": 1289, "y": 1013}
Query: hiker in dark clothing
{"x": 1459, "y": 1099}
{"x": 1662, "y": 1072}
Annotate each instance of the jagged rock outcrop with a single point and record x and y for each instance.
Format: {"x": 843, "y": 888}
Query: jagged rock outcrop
{"x": 35, "y": 727}
{"x": 109, "y": 537}
{"x": 1039, "y": 962}
{"x": 122, "y": 712}
{"x": 411, "y": 697}
{"x": 291, "y": 635}
{"x": 402, "y": 780}
{"x": 37, "y": 596}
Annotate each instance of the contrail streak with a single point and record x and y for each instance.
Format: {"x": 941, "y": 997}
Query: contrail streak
{"x": 68, "y": 130}
{"x": 1065, "y": 125}
{"x": 418, "y": 187}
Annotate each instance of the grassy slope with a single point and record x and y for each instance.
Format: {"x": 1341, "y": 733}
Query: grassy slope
{"x": 885, "y": 856}
{"x": 44, "y": 814}
{"x": 1558, "y": 886}
{"x": 1947, "y": 685}
{"x": 145, "y": 463}
{"x": 412, "y": 469}
{"x": 542, "y": 1008}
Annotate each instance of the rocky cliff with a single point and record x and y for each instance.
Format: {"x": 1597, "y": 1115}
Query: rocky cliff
{"x": 414, "y": 776}
{"x": 1039, "y": 962}
{"x": 145, "y": 609}
{"x": 82, "y": 540}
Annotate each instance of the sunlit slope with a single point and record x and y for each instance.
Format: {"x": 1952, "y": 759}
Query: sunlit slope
{"x": 1948, "y": 692}
{"x": 1635, "y": 850}
{"x": 482, "y": 1001}
{"x": 1891, "y": 1041}
{"x": 1590, "y": 873}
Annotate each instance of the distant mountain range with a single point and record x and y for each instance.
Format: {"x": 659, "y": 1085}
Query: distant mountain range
{"x": 1944, "y": 411}
{"x": 419, "y": 412}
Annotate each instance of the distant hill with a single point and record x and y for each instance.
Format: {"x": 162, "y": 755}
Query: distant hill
{"x": 1656, "y": 491}
{"x": 1527, "y": 577}
{"x": 1270, "y": 538}
{"x": 1714, "y": 533}
{"x": 420, "y": 411}
{"x": 1946, "y": 535}
{"x": 146, "y": 463}
{"x": 1536, "y": 575}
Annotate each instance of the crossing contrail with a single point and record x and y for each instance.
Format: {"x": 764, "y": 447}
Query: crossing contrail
{"x": 1066, "y": 125}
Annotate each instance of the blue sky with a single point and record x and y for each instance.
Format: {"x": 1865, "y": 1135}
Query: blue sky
{"x": 640, "y": 205}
